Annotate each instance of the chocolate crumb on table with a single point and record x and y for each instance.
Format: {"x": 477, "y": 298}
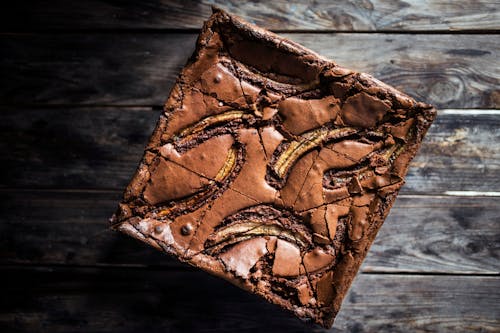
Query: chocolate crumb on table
{"x": 272, "y": 167}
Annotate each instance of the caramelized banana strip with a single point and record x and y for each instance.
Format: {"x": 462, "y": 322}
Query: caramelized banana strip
{"x": 254, "y": 229}
{"x": 188, "y": 133}
{"x": 189, "y": 202}
{"x": 224, "y": 173}
{"x": 393, "y": 151}
{"x": 229, "y": 165}
{"x": 307, "y": 142}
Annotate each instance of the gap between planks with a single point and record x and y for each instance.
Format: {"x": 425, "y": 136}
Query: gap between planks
{"x": 276, "y": 31}
{"x": 187, "y": 268}
{"x": 155, "y": 107}
{"x": 117, "y": 191}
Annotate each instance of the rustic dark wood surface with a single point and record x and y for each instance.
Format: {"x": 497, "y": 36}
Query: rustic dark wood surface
{"x": 81, "y": 87}
{"x": 48, "y": 227}
{"x": 61, "y": 299}
{"x": 106, "y": 144}
{"x": 279, "y": 15}
{"x": 130, "y": 68}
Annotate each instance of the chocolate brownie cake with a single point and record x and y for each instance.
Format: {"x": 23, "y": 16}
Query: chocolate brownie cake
{"x": 272, "y": 167}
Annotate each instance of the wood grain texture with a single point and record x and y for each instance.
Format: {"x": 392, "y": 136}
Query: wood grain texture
{"x": 460, "y": 152}
{"x": 449, "y": 71}
{"x": 64, "y": 165}
{"x": 118, "y": 300}
{"x": 100, "y": 148}
{"x": 422, "y": 234}
{"x": 345, "y": 15}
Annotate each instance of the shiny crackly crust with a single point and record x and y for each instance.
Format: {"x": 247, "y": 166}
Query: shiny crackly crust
{"x": 143, "y": 220}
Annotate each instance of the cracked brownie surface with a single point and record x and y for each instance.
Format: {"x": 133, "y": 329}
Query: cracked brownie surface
{"x": 272, "y": 167}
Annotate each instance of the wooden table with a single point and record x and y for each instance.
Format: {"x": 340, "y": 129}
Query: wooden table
{"x": 82, "y": 84}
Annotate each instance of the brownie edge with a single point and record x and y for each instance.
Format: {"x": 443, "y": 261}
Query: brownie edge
{"x": 272, "y": 167}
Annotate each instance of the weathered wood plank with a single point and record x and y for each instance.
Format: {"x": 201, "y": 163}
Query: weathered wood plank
{"x": 96, "y": 300}
{"x": 73, "y": 147}
{"x": 422, "y": 234}
{"x": 373, "y": 15}
{"x": 460, "y": 151}
{"x": 100, "y": 148}
{"x": 438, "y": 234}
{"x": 458, "y": 71}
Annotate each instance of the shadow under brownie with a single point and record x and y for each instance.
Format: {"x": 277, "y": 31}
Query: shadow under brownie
{"x": 272, "y": 167}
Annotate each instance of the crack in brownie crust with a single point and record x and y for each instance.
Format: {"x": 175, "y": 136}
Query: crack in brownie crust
{"x": 272, "y": 167}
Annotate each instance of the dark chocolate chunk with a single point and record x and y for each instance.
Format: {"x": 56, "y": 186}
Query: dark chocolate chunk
{"x": 186, "y": 229}
{"x": 272, "y": 167}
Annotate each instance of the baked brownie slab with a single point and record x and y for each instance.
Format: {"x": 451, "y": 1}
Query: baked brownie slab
{"x": 272, "y": 167}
